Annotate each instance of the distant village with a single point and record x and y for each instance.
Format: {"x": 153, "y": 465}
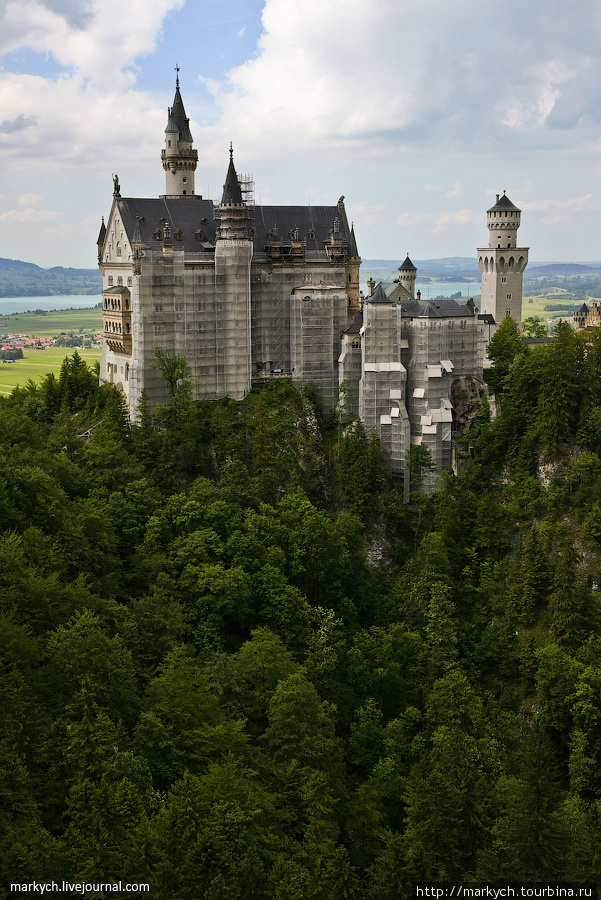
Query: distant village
{"x": 12, "y": 345}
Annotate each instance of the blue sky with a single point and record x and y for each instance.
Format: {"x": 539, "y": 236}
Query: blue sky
{"x": 417, "y": 114}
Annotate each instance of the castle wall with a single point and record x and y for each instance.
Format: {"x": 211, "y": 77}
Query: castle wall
{"x": 382, "y": 388}
{"x": 317, "y": 316}
{"x": 436, "y": 351}
{"x": 233, "y": 344}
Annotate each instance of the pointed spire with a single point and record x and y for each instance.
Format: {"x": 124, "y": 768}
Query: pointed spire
{"x": 101, "y": 233}
{"x": 407, "y": 266}
{"x": 176, "y": 115}
{"x": 232, "y": 193}
{"x": 352, "y": 244}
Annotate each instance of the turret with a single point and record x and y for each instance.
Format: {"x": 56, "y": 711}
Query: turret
{"x": 179, "y": 157}
{"x": 352, "y": 272}
{"x": 407, "y": 276}
{"x": 503, "y": 220}
{"x": 100, "y": 241}
{"x": 232, "y": 214}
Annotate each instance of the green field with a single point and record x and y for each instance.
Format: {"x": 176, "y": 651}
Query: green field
{"x": 37, "y": 363}
{"x": 53, "y": 322}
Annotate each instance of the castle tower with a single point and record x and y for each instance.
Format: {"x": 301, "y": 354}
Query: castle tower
{"x": 233, "y": 256}
{"x": 502, "y": 263}
{"x": 407, "y": 276}
{"x": 179, "y": 157}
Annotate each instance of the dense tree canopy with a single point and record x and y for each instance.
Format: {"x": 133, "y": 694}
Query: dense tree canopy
{"x": 236, "y": 665}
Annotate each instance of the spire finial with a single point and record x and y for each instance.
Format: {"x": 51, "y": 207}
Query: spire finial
{"x": 177, "y": 76}
{"x": 504, "y": 192}
{"x": 231, "y": 151}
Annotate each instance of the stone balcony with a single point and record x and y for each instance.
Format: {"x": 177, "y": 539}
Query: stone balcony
{"x": 116, "y": 319}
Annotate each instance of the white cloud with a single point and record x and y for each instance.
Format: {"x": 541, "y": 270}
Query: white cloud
{"x": 440, "y": 220}
{"x": 98, "y": 42}
{"x": 30, "y": 216}
{"x": 456, "y": 190}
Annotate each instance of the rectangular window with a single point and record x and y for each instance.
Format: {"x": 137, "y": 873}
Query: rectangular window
{"x": 503, "y": 280}
{"x": 110, "y": 280}
{"x": 509, "y": 296}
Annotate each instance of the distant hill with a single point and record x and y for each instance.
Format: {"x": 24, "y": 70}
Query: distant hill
{"x": 539, "y": 271}
{"x": 24, "y": 279}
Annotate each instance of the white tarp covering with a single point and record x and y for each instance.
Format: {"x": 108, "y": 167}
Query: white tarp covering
{"x": 433, "y": 371}
{"x": 419, "y": 393}
{"x": 447, "y": 365}
{"x": 385, "y": 420}
{"x": 384, "y": 367}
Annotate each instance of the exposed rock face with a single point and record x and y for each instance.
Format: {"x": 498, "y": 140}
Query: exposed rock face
{"x": 466, "y": 394}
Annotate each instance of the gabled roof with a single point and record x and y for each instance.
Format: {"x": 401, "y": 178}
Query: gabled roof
{"x": 193, "y": 216}
{"x": 379, "y": 296}
{"x": 435, "y": 309}
{"x": 503, "y": 203}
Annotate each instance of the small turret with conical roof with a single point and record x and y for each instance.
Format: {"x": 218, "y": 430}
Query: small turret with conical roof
{"x": 100, "y": 241}
{"x": 179, "y": 157}
{"x": 407, "y": 276}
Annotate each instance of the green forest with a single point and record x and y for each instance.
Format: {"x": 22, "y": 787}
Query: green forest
{"x": 235, "y": 665}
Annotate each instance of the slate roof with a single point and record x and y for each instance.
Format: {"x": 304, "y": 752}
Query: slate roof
{"x": 317, "y": 220}
{"x": 232, "y": 193}
{"x": 503, "y": 203}
{"x": 488, "y": 318}
{"x": 101, "y": 233}
{"x": 355, "y": 327}
{"x": 193, "y": 214}
{"x": 407, "y": 266}
{"x": 435, "y": 309}
{"x": 188, "y": 215}
{"x": 584, "y": 308}
{"x": 177, "y": 117}
{"x": 352, "y": 245}
{"x": 379, "y": 296}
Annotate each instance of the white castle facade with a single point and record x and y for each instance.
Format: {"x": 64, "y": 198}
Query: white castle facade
{"x": 248, "y": 292}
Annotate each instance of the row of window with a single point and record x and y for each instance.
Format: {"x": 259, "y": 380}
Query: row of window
{"x": 115, "y": 303}
{"x": 115, "y": 328}
{"x": 119, "y": 280}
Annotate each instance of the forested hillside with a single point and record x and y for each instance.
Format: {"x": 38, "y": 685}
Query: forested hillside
{"x": 235, "y": 665}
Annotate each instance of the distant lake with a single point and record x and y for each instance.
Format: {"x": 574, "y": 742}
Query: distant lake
{"x": 58, "y": 301}
{"x": 442, "y": 289}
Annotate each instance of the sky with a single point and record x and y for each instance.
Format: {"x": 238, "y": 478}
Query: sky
{"x": 417, "y": 113}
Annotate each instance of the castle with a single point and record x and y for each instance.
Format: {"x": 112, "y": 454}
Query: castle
{"x": 248, "y": 292}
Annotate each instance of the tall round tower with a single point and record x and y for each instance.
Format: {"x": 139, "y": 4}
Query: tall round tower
{"x": 502, "y": 263}
{"x": 179, "y": 157}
